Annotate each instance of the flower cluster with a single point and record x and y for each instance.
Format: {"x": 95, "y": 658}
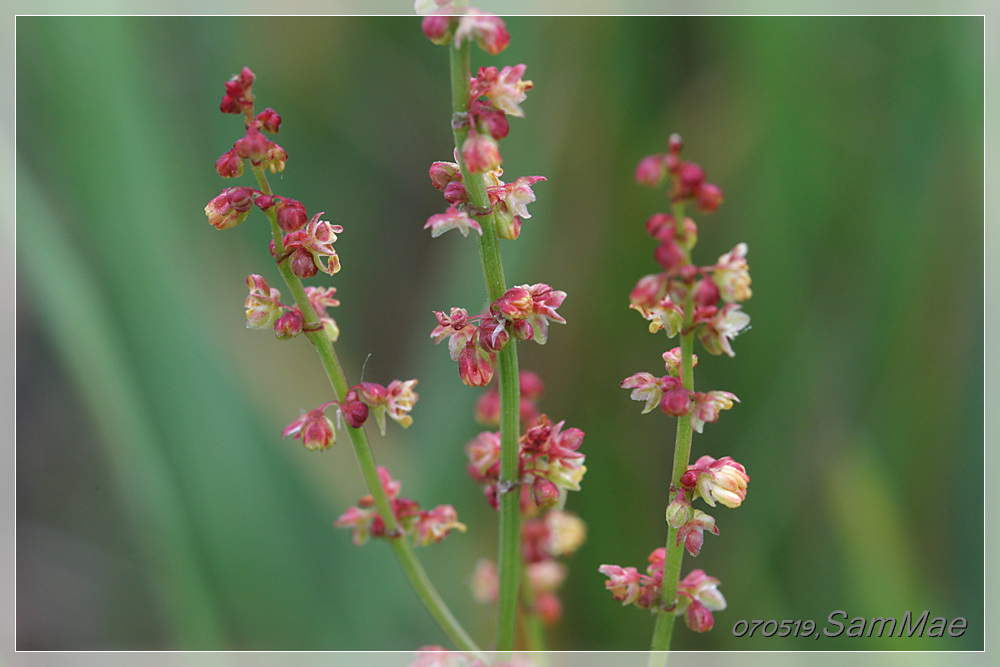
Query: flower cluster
{"x": 423, "y": 526}
{"x": 264, "y": 309}
{"x": 544, "y": 539}
{"x": 549, "y": 463}
{"x": 686, "y": 299}
{"x": 523, "y": 312}
{"x": 668, "y": 393}
{"x": 494, "y": 94}
{"x": 697, "y": 594}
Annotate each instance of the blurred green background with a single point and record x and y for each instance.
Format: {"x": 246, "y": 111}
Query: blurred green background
{"x": 158, "y": 507}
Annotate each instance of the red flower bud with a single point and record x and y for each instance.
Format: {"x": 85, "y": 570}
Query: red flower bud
{"x": 288, "y": 325}
{"x": 675, "y": 144}
{"x": 706, "y": 293}
{"x": 291, "y": 214}
{"x": 691, "y": 177}
{"x": 676, "y": 402}
{"x": 303, "y": 264}
{"x": 455, "y": 193}
{"x": 670, "y": 256}
{"x": 708, "y": 197}
{"x": 544, "y": 493}
{"x": 241, "y": 198}
{"x": 436, "y": 28}
{"x": 651, "y": 171}
{"x": 355, "y": 413}
{"x": 269, "y": 120}
{"x": 661, "y": 226}
{"x": 229, "y": 165}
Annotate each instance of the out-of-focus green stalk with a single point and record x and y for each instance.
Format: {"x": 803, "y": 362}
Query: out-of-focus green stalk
{"x": 509, "y": 556}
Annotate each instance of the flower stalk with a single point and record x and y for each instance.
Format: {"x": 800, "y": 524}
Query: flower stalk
{"x": 508, "y": 557}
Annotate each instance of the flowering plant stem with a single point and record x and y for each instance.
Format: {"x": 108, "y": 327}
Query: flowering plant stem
{"x": 412, "y": 568}
{"x": 509, "y": 556}
{"x": 664, "y": 627}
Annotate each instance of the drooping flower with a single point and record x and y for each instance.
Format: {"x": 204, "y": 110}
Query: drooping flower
{"x": 707, "y": 406}
{"x": 453, "y": 218}
{"x": 263, "y": 303}
{"x": 697, "y": 597}
{"x": 313, "y": 428}
{"x": 623, "y": 582}
{"x": 717, "y": 332}
{"x": 692, "y": 532}
{"x": 489, "y": 31}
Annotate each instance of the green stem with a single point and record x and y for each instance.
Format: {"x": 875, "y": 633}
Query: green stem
{"x": 401, "y": 546}
{"x": 509, "y": 556}
{"x": 664, "y": 627}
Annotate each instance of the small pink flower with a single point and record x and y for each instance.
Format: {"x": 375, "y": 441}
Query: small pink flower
{"x": 679, "y": 511}
{"x": 313, "y": 428}
{"x": 692, "y": 532}
{"x": 291, "y": 214}
{"x": 481, "y": 153}
{"x": 622, "y": 582}
{"x": 489, "y": 31}
{"x": 708, "y": 405}
{"x": 676, "y": 401}
{"x": 717, "y": 332}
{"x": 289, "y": 325}
{"x": 262, "y": 304}
{"x": 456, "y": 328}
{"x": 698, "y": 587}
{"x": 651, "y": 170}
{"x": 475, "y": 366}
{"x": 444, "y": 174}
{"x": 221, "y": 212}
{"x": 732, "y": 275}
{"x": 484, "y": 456}
{"x": 698, "y": 617}
{"x": 230, "y": 165}
{"x": 358, "y": 520}
{"x": 435, "y": 525}
{"x": 322, "y": 298}
{"x": 401, "y": 398}
{"x": 505, "y": 89}
{"x": 709, "y": 197}
{"x": 453, "y": 218}
{"x": 645, "y": 387}
{"x": 238, "y": 95}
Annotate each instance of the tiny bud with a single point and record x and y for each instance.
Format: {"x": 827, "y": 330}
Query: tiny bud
{"x": 708, "y": 197}
{"x": 691, "y": 178}
{"x": 372, "y": 394}
{"x": 698, "y": 617}
{"x": 302, "y": 263}
{"x": 355, "y": 413}
{"x": 522, "y": 330}
{"x": 229, "y": 165}
{"x": 675, "y": 144}
{"x": 291, "y": 214}
{"x": 241, "y": 198}
{"x": 531, "y": 385}
{"x": 706, "y": 293}
{"x": 651, "y": 171}
{"x": 676, "y": 402}
{"x": 254, "y": 146}
{"x": 679, "y": 511}
{"x": 474, "y": 366}
{"x": 661, "y": 226}
{"x": 493, "y": 335}
{"x": 443, "y": 173}
{"x": 670, "y": 256}
{"x": 544, "y": 493}
{"x": 265, "y": 202}
{"x": 288, "y": 325}
{"x": 481, "y": 153}
{"x": 269, "y": 120}
{"x": 437, "y": 28}
{"x": 455, "y": 193}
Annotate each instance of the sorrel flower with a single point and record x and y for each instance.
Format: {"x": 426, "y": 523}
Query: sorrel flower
{"x": 396, "y": 400}
{"x": 313, "y": 428}
{"x": 697, "y": 597}
{"x": 263, "y": 304}
{"x": 453, "y": 218}
{"x": 692, "y": 532}
{"x": 424, "y": 526}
